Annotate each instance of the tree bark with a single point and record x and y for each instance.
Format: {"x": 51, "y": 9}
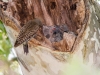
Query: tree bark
{"x": 47, "y": 58}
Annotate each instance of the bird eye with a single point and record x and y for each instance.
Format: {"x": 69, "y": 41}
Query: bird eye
{"x": 55, "y": 32}
{"x": 47, "y": 36}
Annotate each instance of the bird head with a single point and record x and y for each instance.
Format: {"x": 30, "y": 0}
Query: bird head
{"x": 38, "y": 22}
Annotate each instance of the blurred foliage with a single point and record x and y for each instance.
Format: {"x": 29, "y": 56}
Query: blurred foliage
{"x": 77, "y": 67}
{"x": 7, "y": 67}
{"x": 5, "y": 45}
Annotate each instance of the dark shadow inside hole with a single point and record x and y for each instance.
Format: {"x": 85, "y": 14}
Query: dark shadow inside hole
{"x": 73, "y": 7}
{"x": 48, "y": 36}
{"x": 53, "y": 5}
{"x": 54, "y": 32}
{"x": 15, "y": 11}
{"x": 1, "y": 6}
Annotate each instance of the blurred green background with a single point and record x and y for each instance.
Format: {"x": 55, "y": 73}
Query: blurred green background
{"x": 8, "y": 62}
{"x": 5, "y": 45}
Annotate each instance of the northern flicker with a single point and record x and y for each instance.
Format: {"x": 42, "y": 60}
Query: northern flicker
{"x": 28, "y": 31}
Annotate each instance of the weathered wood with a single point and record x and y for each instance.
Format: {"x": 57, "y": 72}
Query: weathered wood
{"x": 70, "y": 13}
{"x": 81, "y": 42}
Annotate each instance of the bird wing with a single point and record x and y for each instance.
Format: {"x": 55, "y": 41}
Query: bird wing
{"x": 27, "y": 32}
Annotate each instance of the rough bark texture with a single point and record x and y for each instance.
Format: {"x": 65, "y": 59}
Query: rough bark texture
{"x": 52, "y": 12}
{"x": 46, "y": 58}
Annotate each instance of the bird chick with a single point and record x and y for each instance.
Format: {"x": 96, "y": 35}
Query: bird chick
{"x": 57, "y": 34}
{"x": 28, "y": 31}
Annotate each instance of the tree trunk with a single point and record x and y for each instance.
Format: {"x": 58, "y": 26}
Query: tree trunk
{"x": 80, "y": 43}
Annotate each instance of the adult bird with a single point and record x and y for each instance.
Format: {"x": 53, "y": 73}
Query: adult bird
{"x": 28, "y": 31}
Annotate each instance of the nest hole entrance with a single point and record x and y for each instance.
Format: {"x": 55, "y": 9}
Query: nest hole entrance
{"x": 62, "y": 37}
